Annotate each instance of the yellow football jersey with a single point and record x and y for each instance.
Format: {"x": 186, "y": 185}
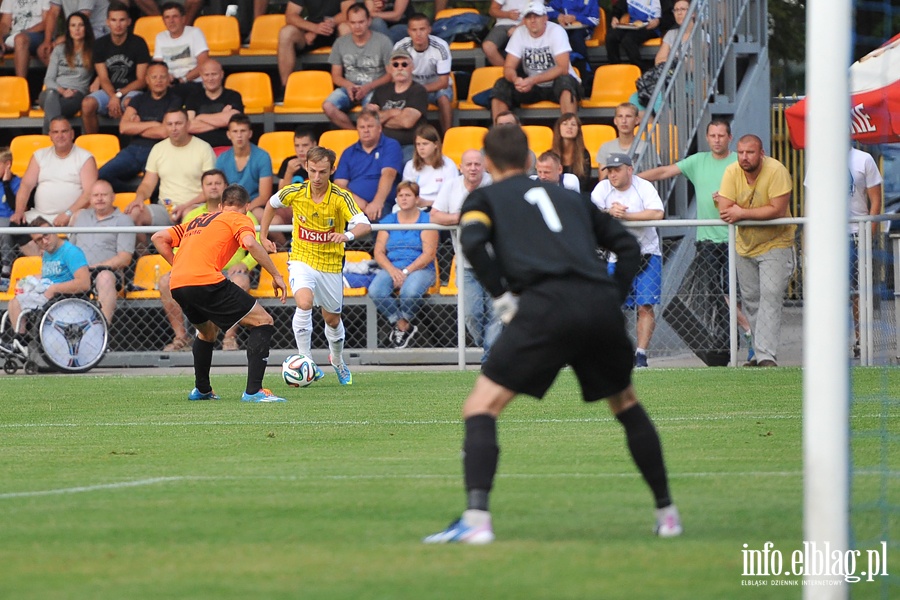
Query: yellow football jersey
{"x": 313, "y": 222}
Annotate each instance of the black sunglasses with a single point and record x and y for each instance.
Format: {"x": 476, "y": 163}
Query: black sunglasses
{"x": 400, "y": 64}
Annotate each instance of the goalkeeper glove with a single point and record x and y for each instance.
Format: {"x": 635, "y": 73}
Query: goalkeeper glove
{"x": 506, "y": 306}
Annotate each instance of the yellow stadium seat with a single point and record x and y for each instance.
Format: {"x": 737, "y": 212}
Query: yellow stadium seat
{"x": 147, "y": 28}
{"x": 103, "y": 146}
{"x": 321, "y": 50}
{"x": 255, "y": 89}
{"x": 279, "y": 145}
{"x": 436, "y": 288}
{"x": 15, "y": 100}
{"x": 305, "y": 91}
{"x": 123, "y": 199}
{"x": 540, "y": 138}
{"x": 594, "y": 137}
{"x": 356, "y": 256}
{"x": 265, "y": 289}
{"x": 459, "y": 139}
{"x": 613, "y": 84}
{"x": 653, "y": 42}
{"x": 451, "y": 289}
{"x": 598, "y": 38}
{"x": 223, "y": 34}
{"x": 147, "y": 271}
{"x": 483, "y": 79}
{"x": 264, "y": 36}
{"x": 21, "y": 267}
{"x": 23, "y": 146}
{"x": 338, "y": 140}
{"x": 452, "y": 12}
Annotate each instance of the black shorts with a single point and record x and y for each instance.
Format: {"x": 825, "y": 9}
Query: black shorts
{"x": 120, "y": 279}
{"x": 505, "y": 91}
{"x": 223, "y": 303}
{"x": 565, "y": 321}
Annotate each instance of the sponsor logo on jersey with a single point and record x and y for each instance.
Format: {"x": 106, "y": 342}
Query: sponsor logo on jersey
{"x": 316, "y": 237}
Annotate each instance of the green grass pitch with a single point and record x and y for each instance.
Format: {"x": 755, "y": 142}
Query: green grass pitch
{"x": 118, "y": 487}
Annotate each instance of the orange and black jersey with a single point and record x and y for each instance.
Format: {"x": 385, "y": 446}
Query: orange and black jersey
{"x": 205, "y": 245}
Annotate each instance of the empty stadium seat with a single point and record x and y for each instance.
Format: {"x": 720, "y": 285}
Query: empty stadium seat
{"x": 594, "y": 137}
{"x": 147, "y": 271}
{"x": 265, "y": 288}
{"x": 338, "y": 140}
{"x": 305, "y": 91}
{"x": 279, "y": 145}
{"x": 23, "y": 146}
{"x": 451, "y": 289}
{"x": 483, "y": 79}
{"x": 223, "y": 34}
{"x": 148, "y": 28}
{"x": 15, "y": 100}
{"x": 459, "y": 139}
{"x": 103, "y": 146}
{"x": 356, "y": 256}
{"x": 598, "y": 38}
{"x": 255, "y": 89}
{"x": 613, "y": 84}
{"x": 540, "y": 138}
{"x": 21, "y": 267}
{"x": 264, "y": 36}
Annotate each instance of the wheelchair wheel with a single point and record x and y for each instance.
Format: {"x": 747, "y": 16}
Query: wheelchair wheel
{"x": 10, "y": 366}
{"x": 73, "y": 335}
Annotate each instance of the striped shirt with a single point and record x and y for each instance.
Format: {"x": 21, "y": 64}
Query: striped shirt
{"x": 431, "y": 63}
{"x": 314, "y": 221}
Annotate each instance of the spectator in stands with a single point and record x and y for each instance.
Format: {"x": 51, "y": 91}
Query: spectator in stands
{"x": 432, "y": 65}
{"x": 406, "y": 258}
{"x": 642, "y": 24}
{"x": 390, "y": 17}
{"x": 95, "y": 10}
{"x": 63, "y": 175}
{"x": 508, "y": 117}
{"x": 369, "y": 168}
{"x": 142, "y": 120}
{"x": 120, "y": 62}
{"x": 182, "y": 47}
{"x": 62, "y": 264}
{"x": 568, "y": 144}
{"x": 626, "y": 120}
{"x": 670, "y": 38}
{"x": 210, "y": 106}
{"x": 69, "y": 72}
{"x": 22, "y": 31}
{"x": 541, "y": 49}
{"x": 550, "y": 169}
{"x": 402, "y": 103}
{"x": 237, "y": 270}
{"x": 481, "y": 322}
{"x": 429, "y": 167}
{"x": 293, "y": 168}
{"x": 176, "y": 164}
{"x": 579, "y": 18}
{"x": 10, "y": 185}
{"x": 107, "y": 254}
{"x": 508, "y": 15}
{"x": 758, "y": 188}
{"x": 318, "y": 29}
{"x": 358, "y": 66}
{"x": 247, "y": 164}
{"x": 152, "y": 8}
{"x": 630, "y": 198}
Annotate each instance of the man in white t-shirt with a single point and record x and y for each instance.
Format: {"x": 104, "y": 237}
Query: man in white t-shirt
{"x": 182, "y": 47}
{"x": 432, "y": 64}
{"x": 541, "y": 51}
{"x": 22, "y": 22}
{"x": 549, "y": 169}
{"x": 865, "y": 199}
{"x": 481, "y": 322}
{"x": 630, "y": 198}
{"x": 177, "y": 164}
{"x": 508, "y": 15}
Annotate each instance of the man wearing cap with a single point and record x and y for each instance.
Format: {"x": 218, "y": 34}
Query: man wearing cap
{"x": 541, "y": 51}
{"x": 402, "y": 103}
{"x": 630, "y": 198}
{"x": 358, "y": 62}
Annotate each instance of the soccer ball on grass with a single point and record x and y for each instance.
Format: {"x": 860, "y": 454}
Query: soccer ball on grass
{"x": 298, "y": 370}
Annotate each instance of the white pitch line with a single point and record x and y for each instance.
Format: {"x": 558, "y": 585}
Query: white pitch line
{"x": 180, "y": 478}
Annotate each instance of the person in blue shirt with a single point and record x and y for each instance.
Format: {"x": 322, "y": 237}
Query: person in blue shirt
{"x": 579, "y": 18}
{"x": 10, "y": 184}
{"x": 369, "y": 168}
{"x": 406, "y": 258}
{"x": 64, "y": 270}
{"x": 246, "y": 164}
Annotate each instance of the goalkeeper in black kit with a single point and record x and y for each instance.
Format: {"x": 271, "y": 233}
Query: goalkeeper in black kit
{"x": 534, "y": 248}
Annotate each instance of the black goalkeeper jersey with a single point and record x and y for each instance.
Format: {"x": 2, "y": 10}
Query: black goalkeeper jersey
{"x": 538, "y": 230}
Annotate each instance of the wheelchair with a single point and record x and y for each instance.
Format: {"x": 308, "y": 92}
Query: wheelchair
{"x": 69, "y": 334}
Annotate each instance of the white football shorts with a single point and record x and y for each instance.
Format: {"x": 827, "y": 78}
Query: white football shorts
{"x": 327, "y": 288}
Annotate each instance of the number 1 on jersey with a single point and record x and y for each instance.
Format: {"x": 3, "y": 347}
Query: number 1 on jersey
{"x": 538, "y": 197}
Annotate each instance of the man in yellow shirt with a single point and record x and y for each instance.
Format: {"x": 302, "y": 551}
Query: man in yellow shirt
{"x": 323, "y": 212}
{"x": 758, "y": 188}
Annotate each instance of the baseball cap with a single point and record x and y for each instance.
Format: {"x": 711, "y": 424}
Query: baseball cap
{"x": 400, "y": 53}
{"x": 617, "y": 160}
{"x": 536, "y": 8}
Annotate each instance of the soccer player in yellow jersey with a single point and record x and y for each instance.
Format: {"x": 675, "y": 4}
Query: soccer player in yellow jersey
{"x": 325, "y": 218}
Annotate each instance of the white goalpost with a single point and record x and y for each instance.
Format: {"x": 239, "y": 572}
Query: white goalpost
{"x": 826, "y": 377}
